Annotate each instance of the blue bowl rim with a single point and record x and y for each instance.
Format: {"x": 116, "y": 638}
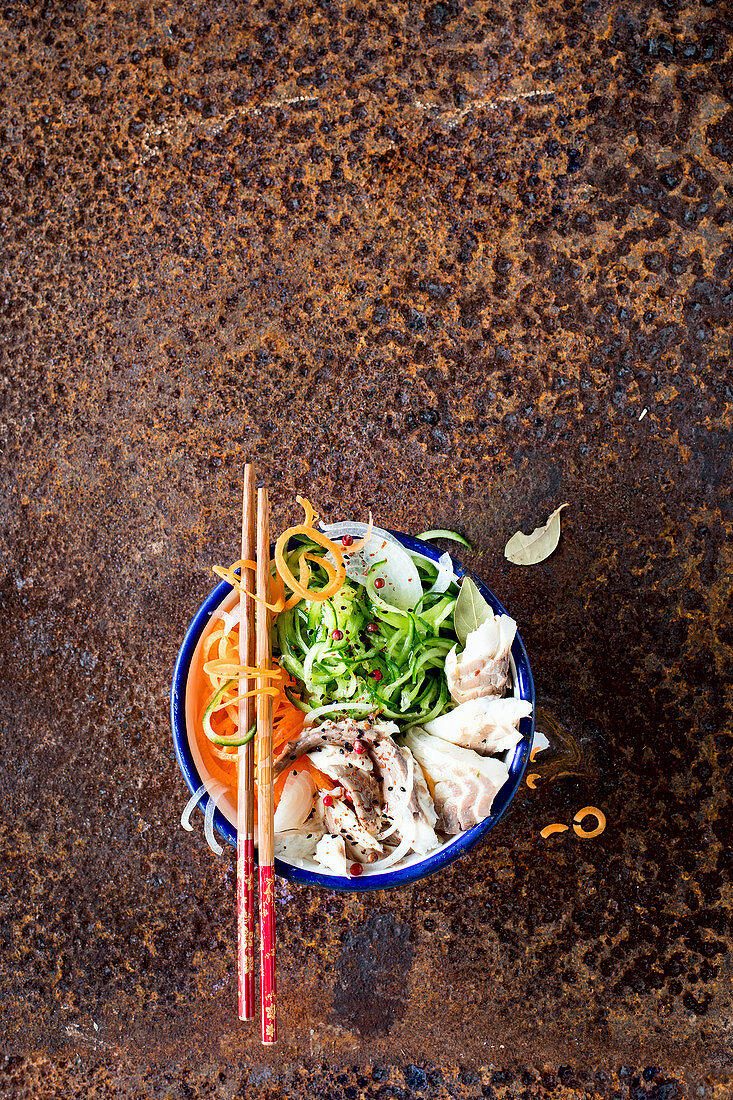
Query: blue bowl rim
{"x": 400, "y": 876}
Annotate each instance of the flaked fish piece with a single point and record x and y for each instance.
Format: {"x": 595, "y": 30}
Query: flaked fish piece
{"x": 381, "y": 727}
{"x": 326, "y": 734}
{"x": 483, "y": 666}
{"x": 489, "y": 724}
{"x": 393, "y": 767}
{"x": 354, "y": 773}
{"x": 465, "y": 783}
{"x": 405, "y": 795}
{"x": 425, "y": 822}
{"x": 296, "y": 845}
{"x": 341, "y": 819}
{"x": 331, "y": 854}
{"x": 342, "y": 734}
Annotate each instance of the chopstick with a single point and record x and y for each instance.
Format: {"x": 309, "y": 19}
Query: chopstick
{"x": 245, "y": 782}
{"x": 265, "y": 803}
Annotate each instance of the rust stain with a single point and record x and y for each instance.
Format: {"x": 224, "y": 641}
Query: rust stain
{"x": 434, "y": 261}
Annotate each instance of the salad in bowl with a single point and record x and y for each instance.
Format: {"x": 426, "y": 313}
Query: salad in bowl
{"x": 402, "y": 706}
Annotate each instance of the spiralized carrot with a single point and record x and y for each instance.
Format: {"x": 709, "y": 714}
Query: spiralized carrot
{"x": 589, "y": 811}
{"x": 305, "y": 576}
{"x": 284, "y": 576}
{"x": 226, "y": 668}
{"x": 310, "y": 515}
{"x": 336, "y": 576}
{"x": 218, "y": 662}
{"x": 230, "y": 576}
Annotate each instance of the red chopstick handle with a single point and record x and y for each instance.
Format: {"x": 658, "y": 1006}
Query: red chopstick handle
{"x": 268, "y": 992}
{"x": 245, "y": 927}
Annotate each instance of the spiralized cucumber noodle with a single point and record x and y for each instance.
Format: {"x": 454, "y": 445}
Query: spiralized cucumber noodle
{"x": 355, "y": 653}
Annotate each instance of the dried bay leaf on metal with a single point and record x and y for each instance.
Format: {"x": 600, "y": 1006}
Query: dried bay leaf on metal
{"x": 470, "y": 611}
{"x": 531, "y": 549}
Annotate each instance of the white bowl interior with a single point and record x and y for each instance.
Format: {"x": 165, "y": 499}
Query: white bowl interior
{"x": 226, "y": 803}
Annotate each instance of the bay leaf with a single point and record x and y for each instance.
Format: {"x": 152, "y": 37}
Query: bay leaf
{"x": 531, "y": 549}
{"x": 470, "y": 611}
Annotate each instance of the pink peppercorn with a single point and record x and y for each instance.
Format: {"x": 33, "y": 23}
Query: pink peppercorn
{"x": 377, "y": 675}
{"x": 347, "y": 540}
{"x": 356, "y": 868}
{"x": 373, "y": 628}
{"x": 327, "y": 800}
{"x": 379, "y": 582}
{"x": 358, "y": 748}
{"x": 337, "y": 635}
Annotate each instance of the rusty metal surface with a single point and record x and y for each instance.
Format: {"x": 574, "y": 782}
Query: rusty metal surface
{"x": 433, "y": 260}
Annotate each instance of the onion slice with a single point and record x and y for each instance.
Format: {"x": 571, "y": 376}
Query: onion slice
{"x": 193, "y": 801}
{"x": 296, "y": 802}
{"x": 445, "y": 574}
{"x": 335, "y": 531}
{"x": 229, "y": 618}
{"x": 397, "y": 853}
{"x": 382, "y": 557}
{"x": 358, "y": 566}
{"x": 216, "y": 791}
{"x": 388, "y": 832}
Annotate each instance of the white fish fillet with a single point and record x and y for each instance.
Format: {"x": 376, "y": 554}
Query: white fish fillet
{"x": 483, "y": 667}
{"x": 328, "y": 734}
{"x": 425, "y": 839}
{"x": 488, "y": 725}
{"x": 331, "y": 854}
{"x": 405, "y": 796}
{"x": 296, "y": 845}
{"x": 326, "y": 757}
{"x": 465, "y": 783}
{"x": 341, "y": 819}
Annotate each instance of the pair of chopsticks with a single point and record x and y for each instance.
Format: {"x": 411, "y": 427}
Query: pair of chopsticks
{"x": 255, "y": 648}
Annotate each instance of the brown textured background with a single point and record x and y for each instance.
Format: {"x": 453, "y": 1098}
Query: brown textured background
{"x": 433, "y": 260}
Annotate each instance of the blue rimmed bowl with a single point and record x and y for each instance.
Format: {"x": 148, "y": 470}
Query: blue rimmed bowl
{"x": 413, "y": 867}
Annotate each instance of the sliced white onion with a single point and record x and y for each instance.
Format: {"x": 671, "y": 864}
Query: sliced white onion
{"x": 335, "y": 531}
{"x": 230, "y": 618}
{"x": 397, "y": 853}
{"x": 211, "y": 840}
{"x": 402, "y": 584}
{"x": 193, "y": 801}
{"x": 296, "y": 801}
{"x": 444, "y": 564}
{"x": 388, "y": 832}
{"x": 445, "y": 574}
